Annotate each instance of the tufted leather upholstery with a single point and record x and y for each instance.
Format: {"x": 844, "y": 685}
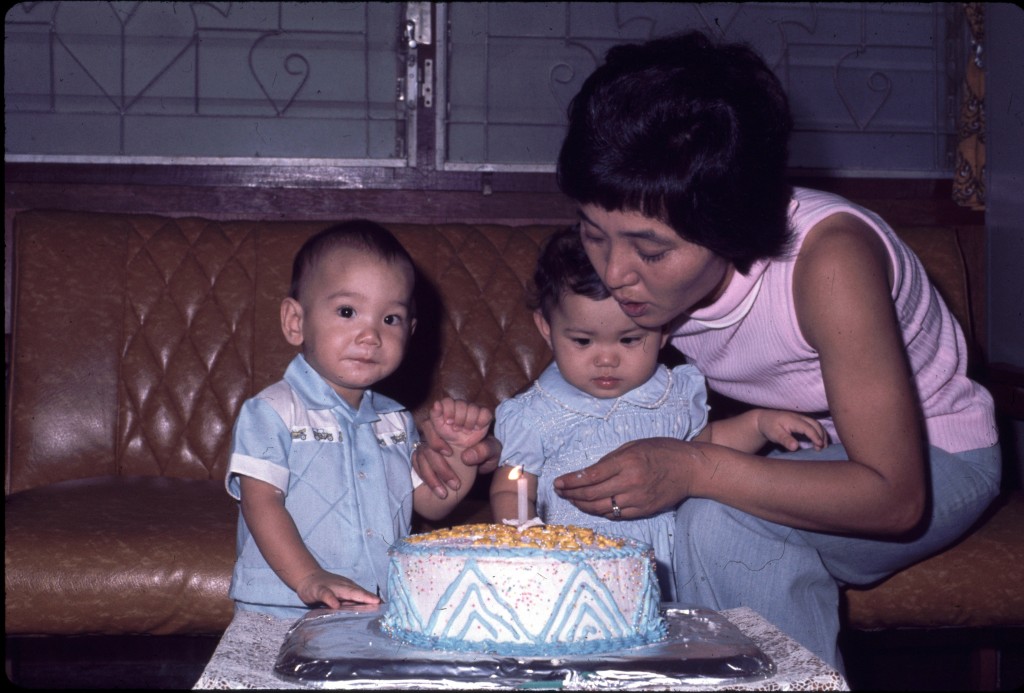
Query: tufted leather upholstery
{"x": 975, "y": 583}
{"x": 136, "y": 338}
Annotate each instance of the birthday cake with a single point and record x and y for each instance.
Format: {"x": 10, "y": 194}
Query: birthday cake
{"x": 546, "y": 591}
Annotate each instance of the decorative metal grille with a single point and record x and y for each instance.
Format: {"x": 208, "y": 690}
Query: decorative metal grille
{"x": 248, "y": 80}
{"x": 870, "y": 84}
{"x": 873, "y": 85}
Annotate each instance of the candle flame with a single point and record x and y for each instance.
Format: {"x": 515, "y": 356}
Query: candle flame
{"x": 515, "y": 473}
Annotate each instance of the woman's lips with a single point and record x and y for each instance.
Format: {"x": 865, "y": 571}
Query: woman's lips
{"x": 633, "y": 310}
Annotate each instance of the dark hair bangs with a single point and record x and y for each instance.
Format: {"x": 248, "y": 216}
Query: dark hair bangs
{"x": 563, "y": 267}
{"x": 688, "y": 132}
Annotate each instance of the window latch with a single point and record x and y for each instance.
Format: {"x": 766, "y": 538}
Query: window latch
{"x": 417, "y": 24}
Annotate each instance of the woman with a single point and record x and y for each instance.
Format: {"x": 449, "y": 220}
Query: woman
{"x": 792, "y": 299}
{"x": 795, "y": 299}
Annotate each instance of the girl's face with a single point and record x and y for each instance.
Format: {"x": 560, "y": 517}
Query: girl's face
{"x": 598, "y": 349}
{"x": 652, "y": 272}
{"x": 353, "y": 321}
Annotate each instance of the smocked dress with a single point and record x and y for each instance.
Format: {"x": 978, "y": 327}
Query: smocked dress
{"x": 553, "y": 428}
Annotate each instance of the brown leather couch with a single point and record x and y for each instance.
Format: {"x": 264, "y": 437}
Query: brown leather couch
{"x": 136, "y": 338}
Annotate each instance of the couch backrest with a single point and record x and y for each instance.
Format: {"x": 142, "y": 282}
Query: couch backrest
{"x": 943, "y": 258}
{"x": 135, "y": 339}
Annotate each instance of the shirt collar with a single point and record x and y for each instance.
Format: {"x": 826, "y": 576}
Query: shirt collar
{"x": 650, "y": 395}
{"x": 317, "y": 394}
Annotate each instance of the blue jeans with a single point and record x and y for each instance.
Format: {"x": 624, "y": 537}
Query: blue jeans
{"x": 725, "y": 558}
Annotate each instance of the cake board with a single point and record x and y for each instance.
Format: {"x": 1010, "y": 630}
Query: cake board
{"x": 328, "y": 648}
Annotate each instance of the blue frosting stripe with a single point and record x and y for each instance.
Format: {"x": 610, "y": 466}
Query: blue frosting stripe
{"x": 400, "y": 608}
{"x": 481, "y": 605}
{"x": 583, "y": 594}
{"x": 630, "y": 548}
{"x": 520, "y": 650}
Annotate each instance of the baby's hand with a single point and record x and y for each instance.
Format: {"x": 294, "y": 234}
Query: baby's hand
{"x": 780, "y": 427}
{"x": 322, "y": 587}
{"x": 460, "y": 423}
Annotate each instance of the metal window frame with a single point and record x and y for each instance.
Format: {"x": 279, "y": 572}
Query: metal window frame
{"x": 407, "y": 93}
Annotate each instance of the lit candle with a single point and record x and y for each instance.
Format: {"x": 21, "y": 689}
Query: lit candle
{"x": 517, "y": 475}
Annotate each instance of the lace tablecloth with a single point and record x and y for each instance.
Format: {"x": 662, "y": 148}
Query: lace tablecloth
{"x": 248, "y": 650}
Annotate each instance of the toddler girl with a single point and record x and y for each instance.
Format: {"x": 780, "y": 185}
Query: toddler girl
{"x": 604, "y": 389}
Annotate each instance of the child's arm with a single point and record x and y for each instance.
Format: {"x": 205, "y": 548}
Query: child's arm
{"x": 749, "y": 431}
{"x": 278, "y": 539}
{"x": 505, "y": 495}
{"x": 462, "y": 425}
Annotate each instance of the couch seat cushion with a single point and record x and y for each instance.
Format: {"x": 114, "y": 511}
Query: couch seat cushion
{"x": 975, "y": 583}
{"x": 119, "y": 555}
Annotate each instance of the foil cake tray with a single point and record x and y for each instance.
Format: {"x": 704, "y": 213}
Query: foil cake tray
{"x": 332, "y": 648}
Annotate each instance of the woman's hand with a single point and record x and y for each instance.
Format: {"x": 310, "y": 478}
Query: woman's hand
{"x": 431, "y": 464}
{"x": 643, "y": 477}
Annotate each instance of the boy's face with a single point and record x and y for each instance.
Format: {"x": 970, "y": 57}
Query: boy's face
{"x": 353, "y": 321}
{"x": 598, "y": 349}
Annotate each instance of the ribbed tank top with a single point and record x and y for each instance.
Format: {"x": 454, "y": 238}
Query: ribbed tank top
{"x": 750, "y": 348}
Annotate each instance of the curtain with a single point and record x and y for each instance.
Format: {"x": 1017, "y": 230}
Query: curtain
{"x": 969, "y": 171}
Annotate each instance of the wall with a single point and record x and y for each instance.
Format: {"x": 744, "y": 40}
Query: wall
{"x": 1004, "y": 111}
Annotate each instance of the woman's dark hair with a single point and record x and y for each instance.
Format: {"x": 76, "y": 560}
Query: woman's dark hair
{"x": 563, "y": 267}
{"x": 355, "y": 234}
{"x": 691, "y": 133}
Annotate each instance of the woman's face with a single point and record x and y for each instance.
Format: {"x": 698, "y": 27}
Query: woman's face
{"x": 652, "y": 272}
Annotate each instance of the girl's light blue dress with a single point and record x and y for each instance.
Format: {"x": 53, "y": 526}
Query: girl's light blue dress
{"x": 553, "y": 428}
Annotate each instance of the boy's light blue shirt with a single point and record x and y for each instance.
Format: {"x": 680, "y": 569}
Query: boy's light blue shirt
{"x": 553, "y": 428}
{"x": 346, "y": 476}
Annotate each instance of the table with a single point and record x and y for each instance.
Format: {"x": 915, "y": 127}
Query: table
{"x": 245, "y": 658}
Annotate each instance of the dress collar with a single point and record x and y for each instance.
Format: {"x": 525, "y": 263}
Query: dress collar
{"x": 650, "y": 395}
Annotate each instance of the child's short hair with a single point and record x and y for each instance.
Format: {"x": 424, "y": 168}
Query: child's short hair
{"x": 355, "y": 234}
{"x": 688, "y": 131}
{"x": 563, "y": 267}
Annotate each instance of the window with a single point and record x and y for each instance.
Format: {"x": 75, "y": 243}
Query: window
{"x": 868, "y": 82}
{"x": 446, "y": 87}
{"x": 242, "y": 81}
